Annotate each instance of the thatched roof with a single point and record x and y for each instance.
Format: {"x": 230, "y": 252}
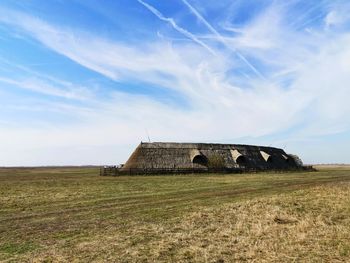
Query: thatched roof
{"x": 167, "y": 155}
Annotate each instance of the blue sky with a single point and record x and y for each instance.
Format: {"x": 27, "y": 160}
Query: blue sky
{"x": 84, "y": 81}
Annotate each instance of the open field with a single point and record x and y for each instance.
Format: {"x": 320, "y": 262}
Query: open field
{"x": 332, "y": 166}
{"x": 74, "y": 215}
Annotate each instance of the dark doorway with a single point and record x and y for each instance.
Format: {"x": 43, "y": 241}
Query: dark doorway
{"x": 241, "y": 160}
{"x": 200, "y": 159}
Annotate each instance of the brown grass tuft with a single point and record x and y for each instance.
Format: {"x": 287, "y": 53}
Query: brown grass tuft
{"x": 241, "y": 218}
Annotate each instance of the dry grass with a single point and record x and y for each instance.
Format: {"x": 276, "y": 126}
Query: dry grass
{"x": 245, "y": 218}
{"x": 332, "y": 166}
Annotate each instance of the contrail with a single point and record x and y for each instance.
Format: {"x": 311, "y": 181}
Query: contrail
{"x": 219, "y": 36}
{"x": 311, "y": 20}
{"x": 176, "y": 27}
{"x": 304, "y": 15}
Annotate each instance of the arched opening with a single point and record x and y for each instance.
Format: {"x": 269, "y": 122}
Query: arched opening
{"x": 238, "y": 157}
{"x": 267, "y": 157}
{"x": 200, "y": 159}
{"x": 241, "y": 160}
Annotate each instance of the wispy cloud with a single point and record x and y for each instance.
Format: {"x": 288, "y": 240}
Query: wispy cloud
{"x": 176, "y": 27}
{"x": 222, "y": 39}
{"x": 337, "y": 16}
{"x": 306, "y": 96}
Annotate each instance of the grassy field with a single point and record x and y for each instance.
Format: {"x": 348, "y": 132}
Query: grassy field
{"x": 74, "y": 215}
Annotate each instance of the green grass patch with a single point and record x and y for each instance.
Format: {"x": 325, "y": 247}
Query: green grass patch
{"x": 18, "y": 248}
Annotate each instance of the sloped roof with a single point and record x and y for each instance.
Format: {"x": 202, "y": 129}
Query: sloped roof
{"x": 170, "y": 155}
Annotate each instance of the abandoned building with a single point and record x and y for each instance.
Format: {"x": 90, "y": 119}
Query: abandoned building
{"x": 158, "y": 156}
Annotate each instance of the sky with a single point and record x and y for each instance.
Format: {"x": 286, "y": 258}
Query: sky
{"x": 85, "y": 81}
